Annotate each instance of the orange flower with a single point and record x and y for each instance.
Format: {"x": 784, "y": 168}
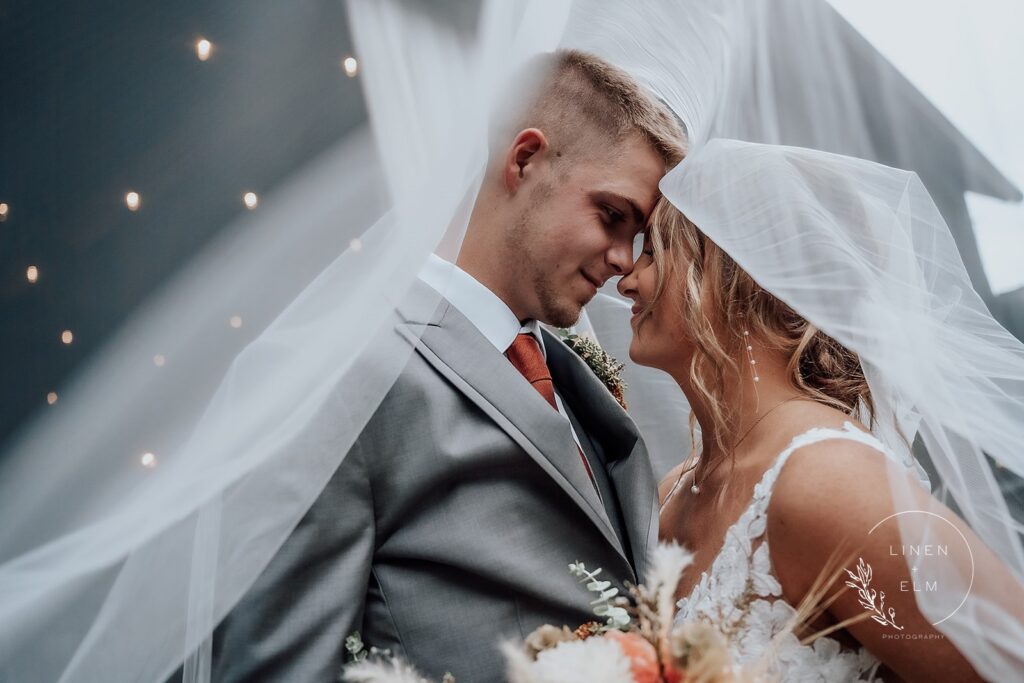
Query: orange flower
{"x": 672, "y": 674}
{"x": 643, "y": 658}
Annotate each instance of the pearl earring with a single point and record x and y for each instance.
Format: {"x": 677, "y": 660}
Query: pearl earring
{"x": 750, "y": 355}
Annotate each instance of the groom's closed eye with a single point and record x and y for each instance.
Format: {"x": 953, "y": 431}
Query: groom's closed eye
{"x": 619, "y": 210}
{"x": 613, "y": 215}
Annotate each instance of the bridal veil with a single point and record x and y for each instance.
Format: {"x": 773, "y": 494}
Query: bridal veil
{"x": 116, "y": 567}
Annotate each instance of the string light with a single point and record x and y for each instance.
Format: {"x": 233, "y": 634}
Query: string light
{"x": 67, "y": 337}
{"x": 4, "y": 210}
{"x": 51, "y": 397}
{"x": 356, "y": 244}
{"x": 132, "y": 200}
{"x": 203, "y": 49}
{"x": 351, "y": 66}
{"x": 159, "y": 360}
{"x": 251, "y": 200}
{"x": 148, "y": 460}
{"x": 32, "y": 274}
{"x": 235, "y": 321}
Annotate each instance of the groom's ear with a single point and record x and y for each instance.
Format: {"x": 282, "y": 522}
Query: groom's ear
{"x": 524, "y": 157}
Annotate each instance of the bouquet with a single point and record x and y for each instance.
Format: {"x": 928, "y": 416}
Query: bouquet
{"x": 636, "y": 641}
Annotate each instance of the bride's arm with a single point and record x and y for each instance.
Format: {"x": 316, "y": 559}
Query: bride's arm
{"x": 828, "y": 497}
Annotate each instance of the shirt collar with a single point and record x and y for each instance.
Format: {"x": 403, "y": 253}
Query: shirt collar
{"x": 483, "y": 308}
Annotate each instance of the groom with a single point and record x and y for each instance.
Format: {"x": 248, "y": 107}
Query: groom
{"x": 497, "y": 457}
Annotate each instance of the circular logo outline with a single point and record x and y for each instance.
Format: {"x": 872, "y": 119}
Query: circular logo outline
{"x": 970, "y": 553}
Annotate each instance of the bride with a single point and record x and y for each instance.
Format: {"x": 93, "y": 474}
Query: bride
{"x": 786, "y": 411}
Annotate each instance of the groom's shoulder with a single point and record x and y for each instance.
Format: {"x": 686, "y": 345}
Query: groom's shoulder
{"x": 404, "y": 320}
{"x": 390, "y": 357}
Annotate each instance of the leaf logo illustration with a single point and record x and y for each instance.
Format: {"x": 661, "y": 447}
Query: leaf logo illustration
{"x": 861, "y": 582}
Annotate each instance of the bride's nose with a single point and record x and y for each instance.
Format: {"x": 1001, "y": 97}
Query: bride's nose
{"x": 627, "y": 285}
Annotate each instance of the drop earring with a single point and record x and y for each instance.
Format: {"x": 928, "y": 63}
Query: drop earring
{"x": 750, "y": 356}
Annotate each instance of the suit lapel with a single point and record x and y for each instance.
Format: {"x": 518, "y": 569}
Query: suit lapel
{"x": 628, "y": 466}
{"x": 634, "y": 483}
{"x": 459, "y": 352}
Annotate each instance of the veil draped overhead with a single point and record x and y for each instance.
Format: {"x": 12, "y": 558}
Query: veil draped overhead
{"x": 138, "y": 514}
{"x": 862, "y": 252}
{"x": 114, "y": 567}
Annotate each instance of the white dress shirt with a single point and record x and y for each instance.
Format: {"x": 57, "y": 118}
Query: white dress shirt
{"x": 484, "y": 310}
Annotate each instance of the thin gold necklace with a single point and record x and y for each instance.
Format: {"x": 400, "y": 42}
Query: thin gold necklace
{"x": 695, "y": 488}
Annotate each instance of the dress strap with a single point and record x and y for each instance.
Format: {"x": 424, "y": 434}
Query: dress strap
{"x": 763, "y": 490}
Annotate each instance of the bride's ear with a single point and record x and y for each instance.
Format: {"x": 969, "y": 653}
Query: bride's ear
{"x": 523, "y": 156}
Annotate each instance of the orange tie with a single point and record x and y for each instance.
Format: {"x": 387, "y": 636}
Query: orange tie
{"x": 528, "y": 359}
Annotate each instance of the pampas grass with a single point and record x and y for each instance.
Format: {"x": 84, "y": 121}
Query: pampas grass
{"x": 668, "y": 562}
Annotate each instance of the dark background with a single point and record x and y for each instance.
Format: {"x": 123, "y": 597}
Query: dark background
{"x": 100, "y": 98}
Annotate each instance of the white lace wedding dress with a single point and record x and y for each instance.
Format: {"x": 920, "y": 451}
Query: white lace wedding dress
{"x": 742, "y": 594}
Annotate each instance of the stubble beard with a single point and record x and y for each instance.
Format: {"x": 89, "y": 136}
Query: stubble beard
{"x": 557, "y": 311}
{"x": 556, "y": 305}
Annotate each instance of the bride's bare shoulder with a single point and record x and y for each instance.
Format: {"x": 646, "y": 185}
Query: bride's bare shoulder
{"x": 828, "y": 496}
{"x": 829, "y": 481}
{"x": 823, "y": 468}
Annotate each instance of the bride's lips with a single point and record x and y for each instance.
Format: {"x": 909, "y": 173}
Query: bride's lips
{"x": 637, "y": 308}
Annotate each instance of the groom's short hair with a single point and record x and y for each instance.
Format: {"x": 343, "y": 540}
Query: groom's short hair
{"x": 582, "y": 102}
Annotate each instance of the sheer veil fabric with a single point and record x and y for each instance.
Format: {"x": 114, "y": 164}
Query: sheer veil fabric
{"x": 861, "y": 251}
{"x": 110, "y": 570}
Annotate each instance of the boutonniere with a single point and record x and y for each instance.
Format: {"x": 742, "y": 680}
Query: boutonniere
{"x": 607, "y": 369}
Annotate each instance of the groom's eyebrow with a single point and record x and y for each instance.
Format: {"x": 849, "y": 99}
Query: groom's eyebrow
{"x": 618, "y": 200}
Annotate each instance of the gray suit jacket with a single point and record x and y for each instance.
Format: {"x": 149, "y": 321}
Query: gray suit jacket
{"x": 451, "y": 522}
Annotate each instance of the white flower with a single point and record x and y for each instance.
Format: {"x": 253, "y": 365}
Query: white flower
{"x": 761, "y": 489}
{"x": 763, "y": 621}
{"x": 594, "y": 660}
{"x": 374, "y": 671}
{"x": 757, "y": 527}
{"x": 731, "y": 584}
{"x": 764, "y": 581}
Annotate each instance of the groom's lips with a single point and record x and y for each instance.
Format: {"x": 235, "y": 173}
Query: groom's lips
{"x": 591, "y": 280}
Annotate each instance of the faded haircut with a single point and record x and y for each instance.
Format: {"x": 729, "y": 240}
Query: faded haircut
{"x": 583, "y": 103}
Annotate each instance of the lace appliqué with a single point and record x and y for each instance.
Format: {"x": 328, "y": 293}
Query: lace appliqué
{"x": 741, "y": 593}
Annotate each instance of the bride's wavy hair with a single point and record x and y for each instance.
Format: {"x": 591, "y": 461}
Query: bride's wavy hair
{"x": 720, "y": 301}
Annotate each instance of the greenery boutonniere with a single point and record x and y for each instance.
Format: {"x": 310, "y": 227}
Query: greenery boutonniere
{"x": 607, "y": 369}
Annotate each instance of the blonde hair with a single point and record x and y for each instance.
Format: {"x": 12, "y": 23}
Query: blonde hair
{"x": 583, "y": 103}
{"x": 720, "y": 300}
